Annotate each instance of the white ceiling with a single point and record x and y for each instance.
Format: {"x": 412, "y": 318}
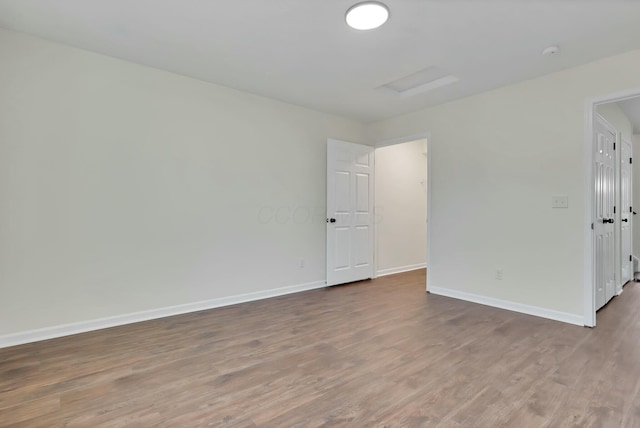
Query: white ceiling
{"x": 631, "y": 108}
{"x": 301, "y": 51}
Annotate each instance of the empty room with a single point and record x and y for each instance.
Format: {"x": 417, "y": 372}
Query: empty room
{"x": 325, "y": 213}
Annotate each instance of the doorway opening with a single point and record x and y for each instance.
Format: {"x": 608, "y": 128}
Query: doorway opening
{"x": 613, "y": 129}
{"x": 402, "y": 205}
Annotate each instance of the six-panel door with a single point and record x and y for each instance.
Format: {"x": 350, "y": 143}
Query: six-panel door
{"x": 350, "y": 248}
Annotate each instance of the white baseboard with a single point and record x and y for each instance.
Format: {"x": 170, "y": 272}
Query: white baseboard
{"x": 508, "y": 305}
{"x": 391, "y": 271}
{"x": 98, "y": 324}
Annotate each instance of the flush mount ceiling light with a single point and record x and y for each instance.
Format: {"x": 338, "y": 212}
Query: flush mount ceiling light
{"x": 367, "y": 15}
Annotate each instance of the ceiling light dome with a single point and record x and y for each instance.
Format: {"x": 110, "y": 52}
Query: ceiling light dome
{"x": 367, "y": 15}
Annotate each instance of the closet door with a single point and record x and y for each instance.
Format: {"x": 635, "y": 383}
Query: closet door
{"x": 604, "y": 168}
{"x": 626, "y": 211}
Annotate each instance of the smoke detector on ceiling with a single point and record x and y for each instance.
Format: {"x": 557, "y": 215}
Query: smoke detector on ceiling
{"x": 551, "y": 50}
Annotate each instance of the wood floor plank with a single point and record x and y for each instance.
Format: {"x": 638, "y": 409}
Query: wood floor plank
{"x": 379, "y": 353}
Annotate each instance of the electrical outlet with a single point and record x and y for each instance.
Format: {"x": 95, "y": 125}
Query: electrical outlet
{"x": 499, "y": 274}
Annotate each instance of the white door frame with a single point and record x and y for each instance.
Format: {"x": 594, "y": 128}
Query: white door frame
{"x": 409, "y": 139}
{"x": 589, "y": 247}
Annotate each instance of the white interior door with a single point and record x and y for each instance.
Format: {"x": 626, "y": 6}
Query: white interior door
{"x": 604, "y": 173}
{"x": 350, "y": 169}
{"x": 626, "y": 210}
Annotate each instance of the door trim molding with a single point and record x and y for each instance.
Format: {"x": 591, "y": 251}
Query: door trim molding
{"x": 589, "y": 300}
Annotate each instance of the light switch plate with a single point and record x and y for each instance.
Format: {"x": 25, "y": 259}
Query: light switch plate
{"x": 559, "y": 201}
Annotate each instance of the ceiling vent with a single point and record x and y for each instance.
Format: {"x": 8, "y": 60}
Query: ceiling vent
{"x": 420, "y": 82}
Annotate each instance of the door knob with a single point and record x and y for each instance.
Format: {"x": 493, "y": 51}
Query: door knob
{"x": 331, "y": 220}
{"x": 625, "y": 220}
{"x": 607, "y": 220}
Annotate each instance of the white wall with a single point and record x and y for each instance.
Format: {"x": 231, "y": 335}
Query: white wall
{"x": 125, "y": 188}
{"x": 496, "y": 160}
{"x": 401, "y": 207}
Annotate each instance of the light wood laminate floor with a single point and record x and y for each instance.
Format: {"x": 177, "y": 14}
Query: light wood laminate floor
{"x": 379, "y": 353}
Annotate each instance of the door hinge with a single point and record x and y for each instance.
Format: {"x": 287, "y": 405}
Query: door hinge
{"x": 614, "y": 209}
{"x": 614, "y": 146}
{"x": 630, "y": 209}
{"x": 630, "y": 160}
{"x": 630, "y": 258}
{"x": 591, "y": 226}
